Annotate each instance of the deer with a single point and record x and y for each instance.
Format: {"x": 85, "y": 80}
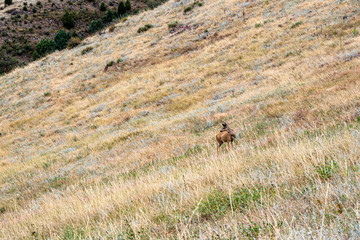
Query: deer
{"x": 226, "y": 135}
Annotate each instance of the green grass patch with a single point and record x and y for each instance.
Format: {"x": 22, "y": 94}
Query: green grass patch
{"x": 296, "y": 24}
{"x": 327, "y": 170}
{"x": 218, "y": 203}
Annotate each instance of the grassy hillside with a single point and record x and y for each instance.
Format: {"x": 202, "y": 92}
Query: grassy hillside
{"x": 116, "y": 137}
{"x": 23, "y": 24}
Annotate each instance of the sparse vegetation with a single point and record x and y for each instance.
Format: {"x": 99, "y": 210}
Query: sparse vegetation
{"x": 172, "y": 24}
{"x": 96, "y": 26}
{"x": 61, "y": 39}
{"x": 130, "y": 153}
{"x": 8, "y": 2}
{"x": 145, "y": 28}
{"x": 296, "y": 24}
{"x": 103, "y": 7}
{"x": 74, "y": 41}
{"x": 68, "y": 20}
{"x": 44, "y": 47}
{"x": 192, "y": 6}
{"x": 86, "y": 50}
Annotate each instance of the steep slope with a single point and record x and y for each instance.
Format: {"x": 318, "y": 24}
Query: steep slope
{"x": 115, "y": 138}
{"x": 24, "y": 24}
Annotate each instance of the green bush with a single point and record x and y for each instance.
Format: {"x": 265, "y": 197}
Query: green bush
{"x": 61, "y": 39}
{"x": 6, "y": 62}
{"x": 96, "y": 25}
{"x": 121, "y": 8}
{"x": 45, "y": 46}
{"x": 74, "y": 41}
{"x": 8, "y": 2}
{"x": 154, "y": 3}
{"x": 145, "y": 28}
{"x": 327, "y": 170}
{"x": 172, "y": 24}
{"x": 127, "y": 6}
{"x": 191, "y": 7}
{"x": 86, "y": 50}
{"x": 296, "y": 24}
{"x": 68, "y": 20}
{"x": 102, "y": 7}
{"x": 109, "y": 16}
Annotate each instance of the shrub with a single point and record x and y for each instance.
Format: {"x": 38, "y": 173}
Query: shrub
{"x": 74, "y": 34}
{"x": 102, "y": 7}
{"x": 61, "y": 39}
{"x": 121, "y": 9}
{"x": 154, "y": 3}
{"x": 96, "y": 25}
{"x": 68, "y": 20}
{"x": 86, "y": 50}
{"x": 111, "y": 28}
{"x": 127, "y": 6}
{"x": 189, "y": 8}
{"x": 109, "y": 16}
{"x": 6, "y": 62}
{"x": 296, "y": 24}
{"x": 327, "y": 170}
{"x": 8, "y": 2}
{"x": 45, "y": 46}
{"x": 74, "y": 41}
{"x": 145, "y": 28}
{"x": 172, "y": 24}
{"x": 36, "y": 55}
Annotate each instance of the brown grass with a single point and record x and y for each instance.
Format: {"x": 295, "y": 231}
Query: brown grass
{"x": 131, "y": 152}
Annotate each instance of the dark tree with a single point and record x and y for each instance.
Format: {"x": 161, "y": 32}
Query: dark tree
{"x": 109, "y": 16}
{"x": 96, "y": 25}
{"x": 44, "y": 47}
{"x": 127, "y": 6}
{"x": 61, "y": 39}
{"x": 68, "y": 20}
{"x": 102, "y": 7}
{"x": 8, "y": 2}
{"x": 121, "y": 9}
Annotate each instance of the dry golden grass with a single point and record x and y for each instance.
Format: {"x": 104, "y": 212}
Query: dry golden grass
{"x": 130, "y": 152}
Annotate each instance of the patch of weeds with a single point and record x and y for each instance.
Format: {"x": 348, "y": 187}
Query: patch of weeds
{"x": 257, "y": 25}
{"x": 57, "y": 182}
{"x": 111, "y": 63}
{"x": 112, "y": 28}
{"x": 355, "y": 32}
{"x": 47, "y": 164}
{"x": 189, "y": 152}
{"x": 70, "y": 233}
{"x": 192, "y": 6}
{"x": 172, "y": 24}
{"x": 215, "y": 205}
{"x": 218, "y": 202}
{"x": 288, "y": 54}
{"x": 260, "y": 128}
{"x": 253, "y": 229}
{"x": 327, "y": 170}
{"x": 296, "y": 24}
{"x": 145, "y": 28}
{"x": 86, "y": 50}
{"x": 74, "y": 41}
{"x": 2, "y": 210}
{"x": 117, "y": 140}
{"x": 47, "y": 94}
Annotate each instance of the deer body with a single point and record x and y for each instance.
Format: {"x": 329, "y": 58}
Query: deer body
{"x": 226, "y": 135}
